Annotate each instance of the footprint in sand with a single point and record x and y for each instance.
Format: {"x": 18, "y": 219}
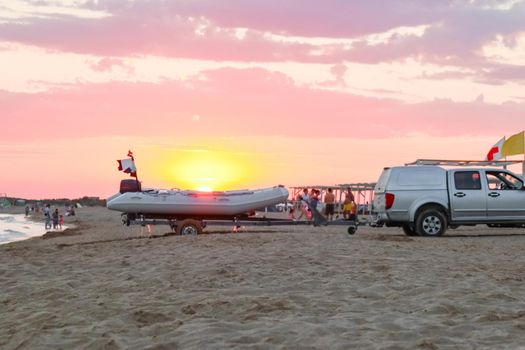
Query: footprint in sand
{"x": 144, "y": 318}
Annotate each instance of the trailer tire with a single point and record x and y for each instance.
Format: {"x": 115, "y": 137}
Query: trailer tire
{"x": 409, "y": 230}
{"x": 126, "y": 219}
{"x": 189, "y": 227}
{"x": 431, "y": 222}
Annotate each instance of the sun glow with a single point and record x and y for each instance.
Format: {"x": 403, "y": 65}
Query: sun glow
{"x": 207, "y": 170}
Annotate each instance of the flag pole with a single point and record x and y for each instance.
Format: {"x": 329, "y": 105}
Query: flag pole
{"x": 523, "y": 164}
{"x": 505, "y": 166}
{"x": 136, "y": 172}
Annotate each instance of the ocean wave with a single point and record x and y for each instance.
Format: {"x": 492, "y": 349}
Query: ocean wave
{"x": 17, "y": 227}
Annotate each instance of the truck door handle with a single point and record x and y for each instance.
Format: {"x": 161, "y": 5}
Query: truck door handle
{"x": 459, "y": 194}
{"x": 494, "y": 194}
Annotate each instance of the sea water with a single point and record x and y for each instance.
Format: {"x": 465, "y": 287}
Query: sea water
{"x": 15, "y": 227}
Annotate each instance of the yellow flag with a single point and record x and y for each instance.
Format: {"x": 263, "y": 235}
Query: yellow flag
{"x": 514, "y": 145}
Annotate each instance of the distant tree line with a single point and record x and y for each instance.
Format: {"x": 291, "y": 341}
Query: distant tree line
{"x": 84, "y": 201}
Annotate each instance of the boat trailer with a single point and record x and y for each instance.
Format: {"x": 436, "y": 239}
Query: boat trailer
{"x": 190, "y": 226}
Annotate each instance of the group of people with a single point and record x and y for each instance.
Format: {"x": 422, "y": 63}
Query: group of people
{"x": 53, "y": 219}
{"x": 70, "y": 210}
{"x": 307, "y": 199}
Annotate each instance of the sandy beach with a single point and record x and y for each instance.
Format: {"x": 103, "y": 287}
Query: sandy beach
{"x": 101, "y": 286}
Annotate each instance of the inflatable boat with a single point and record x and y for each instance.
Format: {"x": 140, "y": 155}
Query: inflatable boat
{"x": 192, "y": 204}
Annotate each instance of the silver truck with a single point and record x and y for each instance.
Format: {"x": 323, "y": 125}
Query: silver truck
{"x": 426, "y": 200}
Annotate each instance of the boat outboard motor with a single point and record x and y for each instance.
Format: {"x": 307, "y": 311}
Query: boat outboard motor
{"x": 129, "y": 186}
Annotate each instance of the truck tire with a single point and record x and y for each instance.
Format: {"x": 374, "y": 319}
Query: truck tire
{"x": 431, "y": 222}
{"x": 409, "y": 230}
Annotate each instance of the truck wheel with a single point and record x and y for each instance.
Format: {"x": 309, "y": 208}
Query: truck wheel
{"x": 431, "y": 222}
{"x": 189, "y": 227}
{"x": 409, "y": 230}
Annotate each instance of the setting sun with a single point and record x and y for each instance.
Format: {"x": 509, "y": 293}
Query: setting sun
{"x": 206, "y": 170}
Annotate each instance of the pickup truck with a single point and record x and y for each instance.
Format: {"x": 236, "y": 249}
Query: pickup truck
{"x": 426, "y": 200}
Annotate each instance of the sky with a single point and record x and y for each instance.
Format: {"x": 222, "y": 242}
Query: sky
{"x": 230, "y": 94}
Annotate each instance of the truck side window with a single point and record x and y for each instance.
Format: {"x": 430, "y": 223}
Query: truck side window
{"x": 467, "y": 180}
{"x": 500, "y": 180}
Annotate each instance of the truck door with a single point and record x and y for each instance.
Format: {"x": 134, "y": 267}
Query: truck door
{"x": 468, "y": 198}
{"x": 505, "y": 196}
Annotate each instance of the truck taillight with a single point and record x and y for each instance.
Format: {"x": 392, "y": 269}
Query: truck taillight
{"x": 389, "y": 200}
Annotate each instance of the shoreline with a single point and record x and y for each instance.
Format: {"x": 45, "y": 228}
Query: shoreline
{"x": 36, "y": 221}
{"x": 18, "y": 227}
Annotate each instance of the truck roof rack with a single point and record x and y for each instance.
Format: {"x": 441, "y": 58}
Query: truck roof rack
{"x": 444, "y": 162}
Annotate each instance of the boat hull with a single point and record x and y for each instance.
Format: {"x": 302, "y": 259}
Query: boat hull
{"x": 196, "y": 204}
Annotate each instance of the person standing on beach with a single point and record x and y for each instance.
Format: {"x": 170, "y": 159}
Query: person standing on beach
{"x": 314, "y": 198}
{"x": 60, "y": 222}
{"x": 349, "y": 205}
{"x": 47, "y": 216}
{"x": 55, "y": 219}
{"x": 27, "y": 210}
{"x": 48, "y": 221}
{"x": 297, "y": 203}
{"x": 303, "y": 204}
{"x": 329, "y": 201}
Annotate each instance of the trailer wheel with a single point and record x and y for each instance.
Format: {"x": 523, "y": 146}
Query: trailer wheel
{"x": 126, "y": 220}
{"x": 189, "y": 227}
{"x": 352, "y": 230}
{"x": 409, "y": 230}
{"x": 431, "y": 223}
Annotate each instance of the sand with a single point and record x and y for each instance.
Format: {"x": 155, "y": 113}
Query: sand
{"x": 100, "y": 286}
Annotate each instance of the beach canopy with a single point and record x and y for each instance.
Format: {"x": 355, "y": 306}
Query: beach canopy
{"x": 5, "y": 203}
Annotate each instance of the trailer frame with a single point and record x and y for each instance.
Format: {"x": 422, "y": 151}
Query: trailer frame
{"x": 191, "y": 226}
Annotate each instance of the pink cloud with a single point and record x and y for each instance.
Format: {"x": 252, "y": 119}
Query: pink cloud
{"x": 108, "y": 64}
{"x": 205, "y": 30}
{"x": 231, "y": 102}
{"x": 332, "y": 18}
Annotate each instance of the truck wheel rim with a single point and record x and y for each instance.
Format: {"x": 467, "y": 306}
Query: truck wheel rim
{"x": 189, "y": 231}
{"x": 431, "y": 225}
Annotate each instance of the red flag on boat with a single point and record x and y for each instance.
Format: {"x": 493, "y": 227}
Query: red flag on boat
{"x": 130, "y": 154}
{"x": 127, "y": 166}
{"x": 495, "y": 152}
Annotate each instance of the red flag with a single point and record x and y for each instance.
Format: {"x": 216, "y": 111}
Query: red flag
{"x": 130, "y": 154}
{"x": 127, "y": 166}
{"x": 495, "y": 152}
